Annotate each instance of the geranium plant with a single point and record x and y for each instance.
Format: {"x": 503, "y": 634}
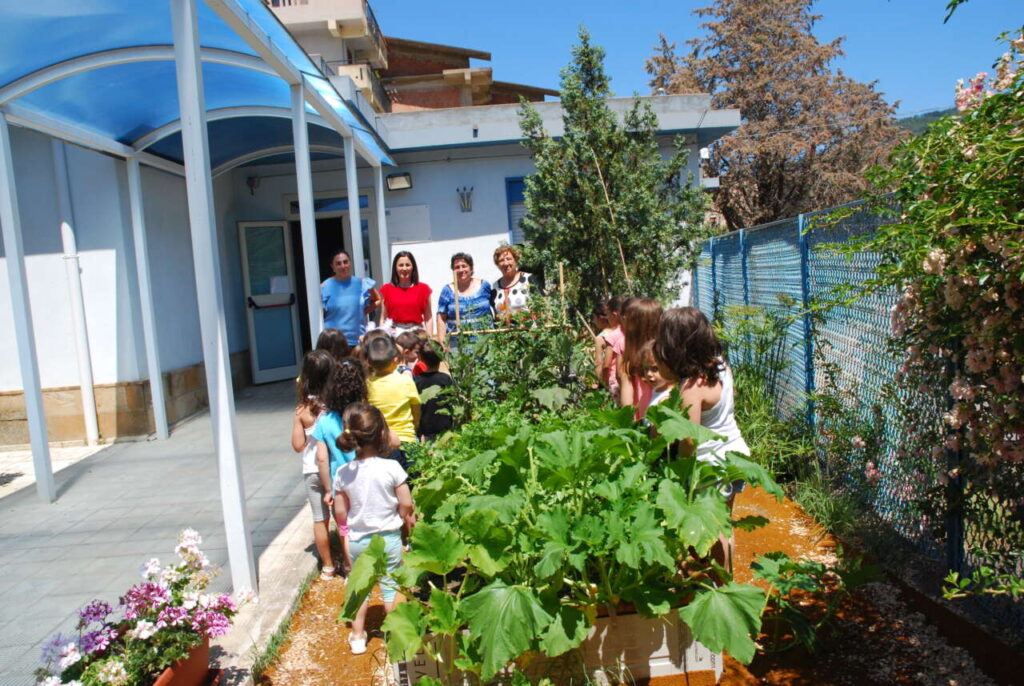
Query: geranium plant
{"x": 156, "y": 623}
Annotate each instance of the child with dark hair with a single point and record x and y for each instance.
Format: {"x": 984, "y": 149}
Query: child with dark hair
{"x": 408, "y": 352}
{"x": 311, "y": 389}
{"x": 334, "y": 342}
{"x": 392, "y": 393}
{"x": 371, "y": 493}
{"x": 347, "y": 385}
{"x": 433, "y": 422}
{"x": 688, "y": 353}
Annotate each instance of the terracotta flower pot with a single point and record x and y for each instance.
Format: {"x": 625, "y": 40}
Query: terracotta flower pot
{"x": 194, "y": 670}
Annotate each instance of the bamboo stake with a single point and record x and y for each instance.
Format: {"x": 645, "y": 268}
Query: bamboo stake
{"x": 611, "y": 213}
{"x": 507, "y": 329}
{"x": 561, "y": 291}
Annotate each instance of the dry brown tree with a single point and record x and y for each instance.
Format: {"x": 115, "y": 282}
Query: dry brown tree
{"x": 808, "y": 131}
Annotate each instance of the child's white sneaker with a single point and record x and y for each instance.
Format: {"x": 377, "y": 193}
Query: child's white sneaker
{"x": 357, "y": 644}
{"x": 326, "y": 573}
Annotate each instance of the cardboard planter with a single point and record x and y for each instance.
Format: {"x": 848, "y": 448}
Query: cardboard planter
{"x": 627, "y": 648}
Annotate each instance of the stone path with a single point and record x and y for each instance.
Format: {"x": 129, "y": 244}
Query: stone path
{"x": 127, "y": 503}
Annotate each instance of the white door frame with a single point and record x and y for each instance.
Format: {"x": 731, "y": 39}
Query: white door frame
{"x": 270, "y": 300}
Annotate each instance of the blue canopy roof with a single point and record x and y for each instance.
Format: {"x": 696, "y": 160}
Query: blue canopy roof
{"x": 106, "y": 66}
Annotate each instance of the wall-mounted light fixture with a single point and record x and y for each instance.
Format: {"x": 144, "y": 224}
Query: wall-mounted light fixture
{"x": 465, "y": 198}
{"x": 399, "y": 182}
{"x": 253, "y": 182}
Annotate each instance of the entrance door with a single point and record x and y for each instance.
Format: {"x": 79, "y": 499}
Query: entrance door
{"x": 271, "y": 308}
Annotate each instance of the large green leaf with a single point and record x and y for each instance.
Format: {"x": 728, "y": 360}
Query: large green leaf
{"x": 674, "y": 426}
{"x": 504, "y": 621}
{"x": 699, "y": 523}
{"x": 404, "y": 628}
{"x": 567, "y": 630}
{"x": 552, "y": 398}
{"x": 487, "y": 539}
{"x": 436, "y": 548}
{"x": 444, "y": 613}
{"x": 643, "y": 542}
{"x": 739, "y": 467}
{"x": 508, "y": 507}
{"x": 370, "y": 566}
{"x": 727, "y": 618}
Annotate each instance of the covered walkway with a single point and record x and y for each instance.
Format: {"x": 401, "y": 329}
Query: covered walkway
{"x": 126, "y": 504}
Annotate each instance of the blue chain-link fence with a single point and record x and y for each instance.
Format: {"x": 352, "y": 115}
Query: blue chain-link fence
{"x": 786, "y": 266}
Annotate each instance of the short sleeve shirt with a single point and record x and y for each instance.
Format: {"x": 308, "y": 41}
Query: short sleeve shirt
{"x": 326, "y": 430}
{"x": 405, "y": 305}
{"x": 345, "y": 305}
{"x": 370, "y": 485}
{"x": 515, "y": 298}
{"x": 394, "y": 395}
{"x": 474, "y": 310}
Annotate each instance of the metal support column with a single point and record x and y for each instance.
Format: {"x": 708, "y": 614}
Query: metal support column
{"x": 383, "y": 245}
{"x": 156, "y": 377}
{"x": 307, "y": 217}
{"x": 14, "y": 251}
{"x": 354, "y": 218}
{"x": 74, "y": 274}
{"x": 213, "y": 326}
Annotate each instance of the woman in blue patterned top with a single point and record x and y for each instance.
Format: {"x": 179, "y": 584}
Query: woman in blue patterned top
{"x": 475, "y": 298}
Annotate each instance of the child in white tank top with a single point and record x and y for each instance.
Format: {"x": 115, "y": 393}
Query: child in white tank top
{"x": 688, "y": 352}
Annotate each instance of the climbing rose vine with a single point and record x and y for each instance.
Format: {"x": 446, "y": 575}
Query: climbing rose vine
{"x": 953, "y": 251}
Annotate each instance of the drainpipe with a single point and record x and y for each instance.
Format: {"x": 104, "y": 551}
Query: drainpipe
{"x": 67, "y": 236}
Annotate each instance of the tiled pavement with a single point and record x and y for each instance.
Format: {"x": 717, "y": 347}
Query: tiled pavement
{"x": 126, "y": 504}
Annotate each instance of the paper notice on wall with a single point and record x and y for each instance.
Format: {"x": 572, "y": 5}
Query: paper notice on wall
{"x": 279, "y": 285}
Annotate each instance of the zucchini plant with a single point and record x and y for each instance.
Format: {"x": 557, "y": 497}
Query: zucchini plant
{"x": 530, "y": 530}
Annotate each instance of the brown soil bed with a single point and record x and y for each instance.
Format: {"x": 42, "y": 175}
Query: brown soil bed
{"x": 878, "y": 637}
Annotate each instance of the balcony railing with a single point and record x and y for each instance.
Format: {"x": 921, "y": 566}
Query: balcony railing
{"x": 285, "y": 3}
{"x": 366, "y": 79}
{"x": 371, "y": 22}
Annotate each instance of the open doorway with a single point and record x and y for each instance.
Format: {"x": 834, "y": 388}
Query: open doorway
{"x": 330, "y": 237}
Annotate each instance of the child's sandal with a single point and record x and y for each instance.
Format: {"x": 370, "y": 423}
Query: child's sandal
{"x": 326, "y": 573}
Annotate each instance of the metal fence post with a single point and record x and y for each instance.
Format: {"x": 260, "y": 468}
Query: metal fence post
{"x": 805, "y": 292}
{"x": 714, "y": 281}
{"x": 743, "y": 266}
{"x": 695, "y": 282}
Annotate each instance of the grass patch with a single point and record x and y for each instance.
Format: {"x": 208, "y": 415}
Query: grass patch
{"x": 270, "y": 653}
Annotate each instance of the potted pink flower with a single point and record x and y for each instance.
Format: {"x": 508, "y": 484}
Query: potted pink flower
{"x": 159, "y": 633}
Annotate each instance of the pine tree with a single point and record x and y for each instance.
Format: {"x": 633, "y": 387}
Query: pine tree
{"x": 809, "y": 132}
{"x": 604, "y": 202}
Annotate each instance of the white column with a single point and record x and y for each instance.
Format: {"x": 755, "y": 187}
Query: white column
{"x": 383, "y": 246}
{"x": 354, "y": 218}
{"x": 307, "y": 219}
{"x": 14, "y": 251}
{"x": 212, "y": 324}
{"x": 74, "y": 274}
{"x": 156, "y": 377}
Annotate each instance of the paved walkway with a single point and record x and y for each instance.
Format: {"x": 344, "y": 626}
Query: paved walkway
{"x": 127, "y": 503}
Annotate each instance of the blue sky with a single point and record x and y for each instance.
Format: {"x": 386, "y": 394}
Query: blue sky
{"x": 902, "y": 44}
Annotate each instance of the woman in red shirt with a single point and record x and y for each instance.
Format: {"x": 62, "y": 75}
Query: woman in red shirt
{"x": 406, "y": 301}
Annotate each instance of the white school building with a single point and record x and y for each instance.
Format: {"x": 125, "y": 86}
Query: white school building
{"x": 174, "y": 175}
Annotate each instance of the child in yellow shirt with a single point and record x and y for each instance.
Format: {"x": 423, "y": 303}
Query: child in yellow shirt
{"x": 392, "y": 393}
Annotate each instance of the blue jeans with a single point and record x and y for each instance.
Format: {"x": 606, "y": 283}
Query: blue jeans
{"x": 393, "y": 548}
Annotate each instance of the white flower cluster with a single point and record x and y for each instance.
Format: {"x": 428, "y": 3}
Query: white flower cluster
{"x": 143, "y": 629}
{"x": 112, "y": 672}
{"x": 150, "y": 569}
{"x": 69, "y": 655}
{"x": 188, "y": 549}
